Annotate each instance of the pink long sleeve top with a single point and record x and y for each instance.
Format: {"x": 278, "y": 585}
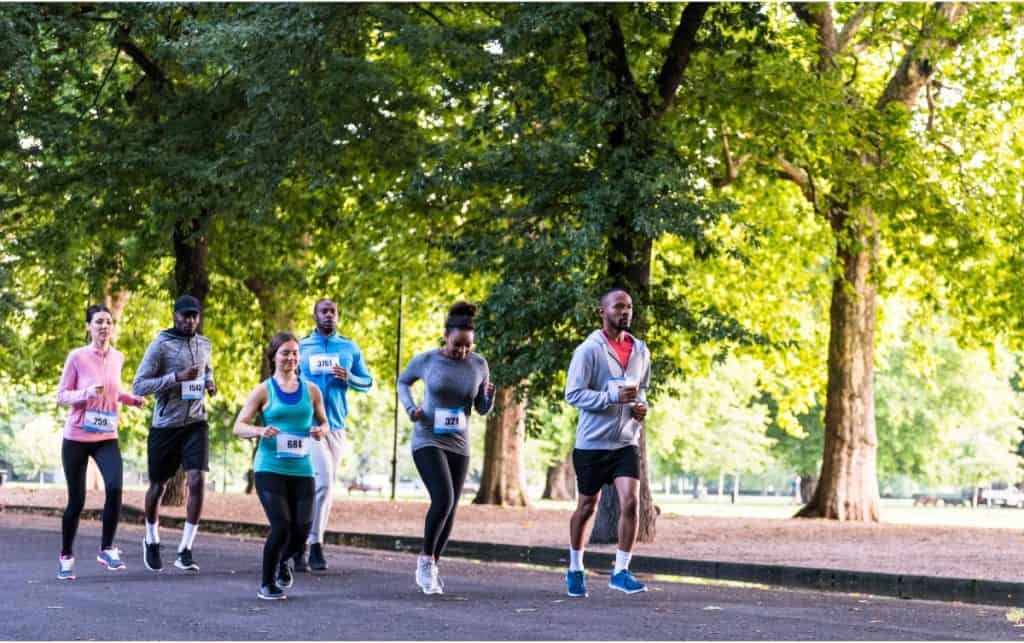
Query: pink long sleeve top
{"x": 85, "y": 367}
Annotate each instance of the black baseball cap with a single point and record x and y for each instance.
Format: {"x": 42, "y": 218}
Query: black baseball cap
{"x": 187, "y": 304}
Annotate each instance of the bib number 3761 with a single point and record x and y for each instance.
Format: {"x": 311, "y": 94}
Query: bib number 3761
{"x": 97, "y": 421}
{"x": 450, "y": 421}
{"x": 291, "y": 446}
{"x": 193, "y": 389}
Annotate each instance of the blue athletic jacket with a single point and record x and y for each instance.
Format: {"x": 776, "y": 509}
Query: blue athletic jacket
{"x": 322, "y": 350}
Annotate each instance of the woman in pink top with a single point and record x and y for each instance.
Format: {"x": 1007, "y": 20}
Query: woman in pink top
{"x": 91, "y": 386}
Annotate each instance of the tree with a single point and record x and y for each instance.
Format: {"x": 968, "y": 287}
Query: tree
{"x": 855, "y": 149}
{"x": 567, "y": 175}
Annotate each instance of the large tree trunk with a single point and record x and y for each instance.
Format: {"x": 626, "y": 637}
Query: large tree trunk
{"x": 808, "y": 483}
{"x": 191, "y": 250}
{"x": 561, "y": 481}
{"x": 606, "y": 525}
{"x": 191, "y": 277}
{"x": 848, "y": 485}
{"x": 504, "y": 477}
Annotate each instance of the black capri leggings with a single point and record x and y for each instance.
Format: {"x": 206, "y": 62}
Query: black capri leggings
{"x": 75, "y": 457}
{"x": 443, "y": 473}
{"x": 288, "y": 501}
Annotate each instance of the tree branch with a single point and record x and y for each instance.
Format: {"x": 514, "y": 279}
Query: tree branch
{"x": 125, "y": 44}
{"x": 819, "y": 16}
{"x": 678, "y": 57}
{"x": 852, "y": 25}
{"x": 610, "y": 54}
{"x": 732, "y": 167}
{"x": 918, "y": 64}
{"x": 801, "y": 177}
{"x": 103, "y": 83}
{"x": 431, "y": 14}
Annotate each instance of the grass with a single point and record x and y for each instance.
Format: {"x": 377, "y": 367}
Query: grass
{"x": 900, "y": 512}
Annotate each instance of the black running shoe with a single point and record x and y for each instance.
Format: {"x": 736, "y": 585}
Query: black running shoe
{"x": 316, "y": 557}
{"x": 270, "y": 593}
{"x": 184, "y": 561}
{"x": 151, "y": 556}
{"x": 300, "y": 561}
{"x": 284, "y": 575}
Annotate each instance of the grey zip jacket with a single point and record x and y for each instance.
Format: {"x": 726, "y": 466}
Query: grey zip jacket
{"x": 169, "y": 353}
{"x": 603, "y": 422}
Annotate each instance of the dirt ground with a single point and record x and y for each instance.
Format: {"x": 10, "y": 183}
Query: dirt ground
{"x": 995, "y": 554}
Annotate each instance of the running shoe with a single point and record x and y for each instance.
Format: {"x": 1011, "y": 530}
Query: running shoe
{"x": 111, "y": 559}
{"x": 270, "y": 593}
{"x": 624, "y": 581}
{"x": 184, "y": 561}
{"x": 151, "y": 556}
{"x": 65, "y": 568}
{"x": 284, "y": 575}
{"x": 300, "y": 561}
{"x": 576, "y": 583}
{"x": 316, "y": 557}
{"x": 426, "y": 576}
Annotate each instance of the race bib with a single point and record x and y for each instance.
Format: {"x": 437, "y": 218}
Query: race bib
{"x": 97, "y": 421}
{"x": 292, "y": 446}
{"x": 193, "y": 389}
{"x": 615, "y": 384}
{"x": 322, "y": 363}
{"x": 450, "y": 421}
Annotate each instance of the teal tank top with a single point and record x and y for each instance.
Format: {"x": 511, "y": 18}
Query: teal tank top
{"x": 293, "y": 419}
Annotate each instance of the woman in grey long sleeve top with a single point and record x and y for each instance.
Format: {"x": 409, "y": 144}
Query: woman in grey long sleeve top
{"x": 456, "y": 380}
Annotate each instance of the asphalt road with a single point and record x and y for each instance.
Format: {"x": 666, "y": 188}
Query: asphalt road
{"x": 371, "y": 595}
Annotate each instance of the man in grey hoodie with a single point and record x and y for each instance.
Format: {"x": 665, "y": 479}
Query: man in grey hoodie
{"x": 176, "y": 370}
{"x": 607, "y": 381}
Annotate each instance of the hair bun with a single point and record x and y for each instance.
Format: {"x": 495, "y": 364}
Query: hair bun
{"x": 462, "y": 309}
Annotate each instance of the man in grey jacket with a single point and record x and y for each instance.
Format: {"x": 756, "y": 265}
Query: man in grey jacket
{"x": 176, "y": 370}
{"x": 607, "y": 381}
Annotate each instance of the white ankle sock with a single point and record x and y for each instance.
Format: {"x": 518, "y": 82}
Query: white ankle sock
{"x": 188, "y": 536}
{"x": 622, "y": 560}
{"x": 575, "y": 560}
{"x": 153, "y": 532}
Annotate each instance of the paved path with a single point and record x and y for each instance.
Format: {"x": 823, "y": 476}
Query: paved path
{"x": 371, "y": 595}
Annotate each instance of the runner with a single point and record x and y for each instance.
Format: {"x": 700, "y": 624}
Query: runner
{"x": 607, "y": 381}
{"x": 91, "y": 386}
{"x": 176, "y": 369}
{"x": 456, "y": 380}
{"x": 335, "y": 364}
{"x": 284, "y": 473}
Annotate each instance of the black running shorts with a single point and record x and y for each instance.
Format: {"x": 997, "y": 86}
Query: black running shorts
{"x": 186, "y": 446}
{"x": 598, "y": 467}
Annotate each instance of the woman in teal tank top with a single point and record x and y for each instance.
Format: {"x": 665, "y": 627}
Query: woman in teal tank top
{"x": 284, "y": 473}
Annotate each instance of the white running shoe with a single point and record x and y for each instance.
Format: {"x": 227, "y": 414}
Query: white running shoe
{"x": 426, "y": 576}
{"x": 66, "y": 568}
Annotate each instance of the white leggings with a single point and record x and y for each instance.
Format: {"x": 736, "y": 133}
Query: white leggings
{"x": 326, "y": 455}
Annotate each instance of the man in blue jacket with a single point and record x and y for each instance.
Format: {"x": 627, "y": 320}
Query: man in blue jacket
{"x": 607, "y": 381}
{"x": 335, "y": 364}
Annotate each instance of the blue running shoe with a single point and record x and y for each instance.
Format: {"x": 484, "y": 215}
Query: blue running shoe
{"x": 624, "y": 581}
{"x": 111, "y": 559}
{"x": 576, "y": 583}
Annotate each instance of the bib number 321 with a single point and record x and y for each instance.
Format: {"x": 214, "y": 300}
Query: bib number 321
{"x": 450, "y": 421}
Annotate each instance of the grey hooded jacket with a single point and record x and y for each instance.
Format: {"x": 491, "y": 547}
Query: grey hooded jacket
{"x": 169, "y": 353}
{"x": 603, "y": 422}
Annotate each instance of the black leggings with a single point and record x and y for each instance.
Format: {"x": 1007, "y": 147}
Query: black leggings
{"x": 444, "y": 473}
{"x": 75, "y": 456}
{"x": 288, "y": 501}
